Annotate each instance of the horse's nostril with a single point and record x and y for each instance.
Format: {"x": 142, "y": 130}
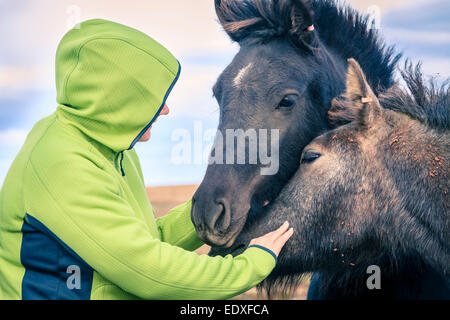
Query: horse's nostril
{"x": 221, "y": 220}
{"x": 211, "y": 217}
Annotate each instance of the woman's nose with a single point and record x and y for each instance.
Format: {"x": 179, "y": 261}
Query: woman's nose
{"x": 165, "y": 111}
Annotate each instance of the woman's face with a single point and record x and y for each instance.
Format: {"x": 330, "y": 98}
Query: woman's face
{"x": 165, "y": 111}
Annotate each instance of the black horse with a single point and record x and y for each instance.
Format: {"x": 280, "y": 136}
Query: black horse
{"x": 291, "y": 64}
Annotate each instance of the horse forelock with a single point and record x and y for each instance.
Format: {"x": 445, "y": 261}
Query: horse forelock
{"x": 338, "y": 26}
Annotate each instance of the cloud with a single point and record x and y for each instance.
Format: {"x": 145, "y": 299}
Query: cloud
{"x": 193, "y": 93}
{"x": 421, "y": 44}
{"x": 437, "y": 38}
{"x": 420, "y": 16}
{"x": 25, "y": 108}
{"x": 421, "y": 30}
{"x": 16, "y": 79}
{"x": 12, "y": 137}
{"x": 188, "y": 28}
{"x": 384, "y": 5}
{"x": 183, "y": 26}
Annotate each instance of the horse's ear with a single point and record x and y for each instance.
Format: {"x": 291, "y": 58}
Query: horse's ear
{"x": 360, "y": 96}
{"x": 303, "y": 31}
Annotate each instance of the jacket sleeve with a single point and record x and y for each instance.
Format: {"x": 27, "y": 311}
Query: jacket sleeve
{"x": 176, "y": 228}
{"x": 80, "y": 203}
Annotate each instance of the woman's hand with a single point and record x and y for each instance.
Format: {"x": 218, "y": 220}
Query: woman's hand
{"x": 275, "y": 240}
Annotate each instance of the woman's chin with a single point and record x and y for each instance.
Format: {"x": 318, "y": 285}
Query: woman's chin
{"x": 145, "y": 137}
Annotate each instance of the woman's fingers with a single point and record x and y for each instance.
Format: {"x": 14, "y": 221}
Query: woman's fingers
{"x": 276, "y": 233}
{"x": 281, "y": 241}
{"x": 281, "y": 230}
{"x": 275, "y": 240}
{"x": 285, "y": 237}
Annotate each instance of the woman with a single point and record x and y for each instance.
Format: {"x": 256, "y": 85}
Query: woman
{"x": 76, "y": 222}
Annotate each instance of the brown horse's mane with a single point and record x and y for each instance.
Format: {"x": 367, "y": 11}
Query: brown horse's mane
{"x": 425, "y": 101}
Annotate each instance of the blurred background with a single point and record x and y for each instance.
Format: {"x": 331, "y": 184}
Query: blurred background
{"x": 30, "y": 32}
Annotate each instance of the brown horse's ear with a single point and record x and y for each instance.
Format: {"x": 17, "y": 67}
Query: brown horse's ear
{"x": 303, "y": 31}
{"x": 360, "y": 96}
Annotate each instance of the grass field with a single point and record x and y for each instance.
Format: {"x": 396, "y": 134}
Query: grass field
{"x": 165, "y": 198}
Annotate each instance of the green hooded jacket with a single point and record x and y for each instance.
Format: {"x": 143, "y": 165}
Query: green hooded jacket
{"x": 75, "y": 219}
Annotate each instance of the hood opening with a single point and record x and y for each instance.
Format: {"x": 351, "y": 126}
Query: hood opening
{"x": 113, "y": 81}
{"x": 159, "y": 110}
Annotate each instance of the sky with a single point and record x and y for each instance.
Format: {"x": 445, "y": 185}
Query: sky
{"x": 30, "y": 32}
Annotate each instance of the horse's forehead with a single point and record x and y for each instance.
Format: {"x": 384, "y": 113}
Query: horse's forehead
{"x": 241, "y": 74}
{"x": 250, "y": 61}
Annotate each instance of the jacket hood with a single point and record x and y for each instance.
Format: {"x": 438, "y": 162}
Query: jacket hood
{"x": 112, "y": 81}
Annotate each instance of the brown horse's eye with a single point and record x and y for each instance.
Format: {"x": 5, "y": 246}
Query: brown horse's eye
{"x": 309, "y": 157}
{"x": 288, "y": 101}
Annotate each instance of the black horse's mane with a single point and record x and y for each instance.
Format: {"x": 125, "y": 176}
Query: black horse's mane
{"x": 339, "y": 27}
{"x": 425, "y": 101}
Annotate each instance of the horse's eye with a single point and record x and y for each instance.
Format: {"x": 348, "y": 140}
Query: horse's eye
{"x": 288, "y": 101}
{"x": 310, "y": 156}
